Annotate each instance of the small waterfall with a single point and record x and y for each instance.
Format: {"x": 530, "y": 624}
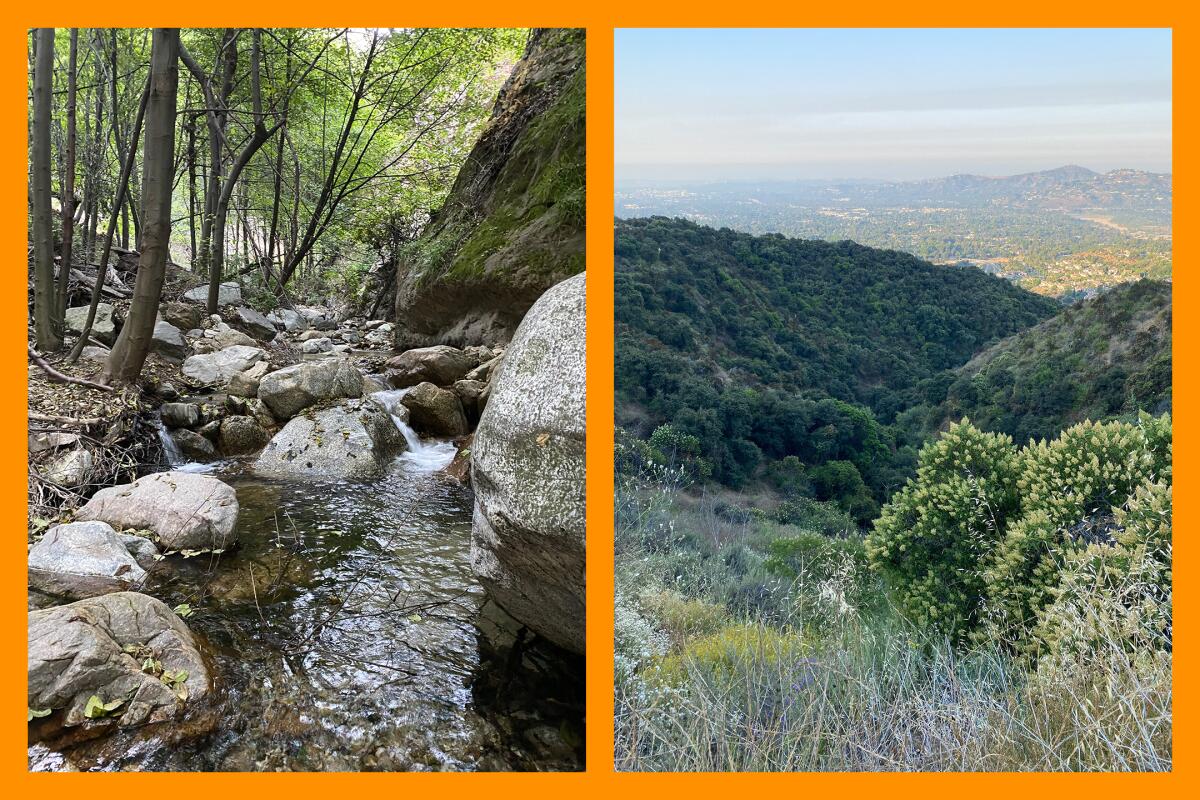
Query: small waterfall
{"x": 423, "y": 456}
{"x": 171, "y": 451}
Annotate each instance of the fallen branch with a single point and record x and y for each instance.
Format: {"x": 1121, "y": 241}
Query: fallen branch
{"x": 84, "y": 421}
{"x": 59, "y": 377}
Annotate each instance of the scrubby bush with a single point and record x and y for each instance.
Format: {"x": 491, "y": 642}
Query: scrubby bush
{"x": 931, "y": 538}
{"x": 731, "y": 653}
{"x": 680, "y": 618}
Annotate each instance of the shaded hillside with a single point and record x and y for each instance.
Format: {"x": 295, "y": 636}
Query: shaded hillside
{"x": 785, "y": 357}
{"x": 1100, "y": 358}
{"x": 513, "y": 224}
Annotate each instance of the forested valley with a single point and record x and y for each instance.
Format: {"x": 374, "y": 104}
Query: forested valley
{"x": 879, "y": 514}
{"x": 300, "y": 300}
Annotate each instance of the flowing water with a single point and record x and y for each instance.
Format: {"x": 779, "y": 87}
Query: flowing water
{"x": 347, "y": 632}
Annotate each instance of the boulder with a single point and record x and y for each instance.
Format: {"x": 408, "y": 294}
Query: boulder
{"x": 193, "y": 445}
{"x": 313, "y": 346}
{"x": 287, "y": 320}
{"x": 350, "y": 441}
{"x": 240, "y": 435}
{"x": 527, "y": 469}
{"x": 180, "y": 415}
{"x": 168, "y": 341}
{"x": 469, "y": 394}
{"x": 94, "y": 353}
{"x": 372, "y": 324}
{"x": 484, "y": 371}
{"x": 185, "y": 316}
{"x": 307, "y": 335}
{"x": 104, "y": 326}
{"x": 230, "y": 294}
{"x": 435, "y": 411}
{"x": 228, "y": 337}
{"x": 71, "y": 469}
{"x": 186, "y": 510}
{"x": 216, "y": 368}
{"x": 97, "y": 647}
{"x": 440, "y": 365}
{"x": 85, "y": 559}
{"x": 252, "y": 322}
{"x": 245, "y": 384}
{"x": 291, "y": 389}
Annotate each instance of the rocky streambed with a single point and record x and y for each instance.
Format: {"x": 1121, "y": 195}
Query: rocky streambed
{"x": 300, "y": 590}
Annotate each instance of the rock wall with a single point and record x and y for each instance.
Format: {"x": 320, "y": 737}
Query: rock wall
{"x": 513, "y": 223}
{"x": 527, "y": 467}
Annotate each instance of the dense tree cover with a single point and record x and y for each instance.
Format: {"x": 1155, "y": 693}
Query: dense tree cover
{"x": 767, "y": 348}
{"x": 1105, "y": 357}
{"x": 299, "y": 157}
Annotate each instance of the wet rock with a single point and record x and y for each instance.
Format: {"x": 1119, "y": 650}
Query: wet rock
{"x": 193, "y": 445}
{"x": 217, "y": 368}
{"x": 168, "y": 341}
{"x": 79, "y": 650}
{"x": 460, "y": 467}
{"x": 229, "y": 294}
{"x": 85, "y": 559}
{"x": 258, "y": 409}
{"x": 167, "y": 391}
{"x": 104, "y": 327}
{"x": 440, "y": 365}
{"x": 245, "y": 384}
{"x": 312, "y": 346}
{"x": 241, "y": 435}
{"x": 349, "y": 441}
{"x": 252, "y": 322}
{"x": 180, "y": 415}
{"x": 71, "y": 469}
{"x": 435, "y": 411}
{"x": 289, "y": 390}
{"x": 527, "y": 469}
{"x": 186, "y": 511}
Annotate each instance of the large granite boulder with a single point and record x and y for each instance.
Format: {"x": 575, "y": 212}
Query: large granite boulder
{"x": 185, "y": 316}
{"x": 104, "y": 326}
{"x": 185, "y": 510}
{"x": 98, "y": 646}
{"x": 212, "y": 369}
{"x": 245, "y": 384}
{"x": 435, "y": 411}
{"x": 345, "y": 442}
{"x": 252, "y": 322}
{"x": 229, "y": 294}
{"x": 288, "y": 320}
{"x": 168, "y": 341}
{"x": 84, "y": 559}
{"x": 528, "y": 540}
{"x": 288, "y": 391}
{"x": 440, "y": 365}
{"x": 71, "y": 469}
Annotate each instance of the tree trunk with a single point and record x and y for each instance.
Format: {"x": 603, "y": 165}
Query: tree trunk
{"x": 158, "y": 167}
{"x": 68, "y": 186}
{"x": 44, "y": 301}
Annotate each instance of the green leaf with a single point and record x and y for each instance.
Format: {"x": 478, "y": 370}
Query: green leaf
{"x": 38, "y": 713}
{"x": 94, "y": 708}
{"x": 184, "y": 610}
{"x": 414, "y": 618}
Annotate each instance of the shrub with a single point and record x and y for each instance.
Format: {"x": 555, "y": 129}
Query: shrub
{"x": 931, "y": 538}
{"x": 680, "y": 618}
{"x": 729, "y": 654}
{"x": 1073, "y": 489}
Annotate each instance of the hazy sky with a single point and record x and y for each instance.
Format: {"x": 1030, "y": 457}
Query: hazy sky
{"x": 889, "y": 103}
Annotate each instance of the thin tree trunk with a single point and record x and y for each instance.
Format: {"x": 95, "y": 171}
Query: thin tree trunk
{"x": 44, "y": 301}
{"x": 122, "y": 189}
{"x": 68, "y": 187}
{"x": 158, "y": 166}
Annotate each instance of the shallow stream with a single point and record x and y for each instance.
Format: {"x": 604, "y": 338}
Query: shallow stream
{"x": 348, "y": 632}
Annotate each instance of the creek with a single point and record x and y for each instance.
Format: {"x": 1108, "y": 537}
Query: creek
{"x": 348, "y": 632}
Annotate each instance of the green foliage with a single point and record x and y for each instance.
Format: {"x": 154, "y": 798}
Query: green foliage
{"x": 729, "y": 654}
{"x": 682, "y": 618}
{"x": 930, "y": 539}
{"x": 979, "y": 542}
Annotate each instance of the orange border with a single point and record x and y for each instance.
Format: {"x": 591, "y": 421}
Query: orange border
{"x": 599, "y": 18}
